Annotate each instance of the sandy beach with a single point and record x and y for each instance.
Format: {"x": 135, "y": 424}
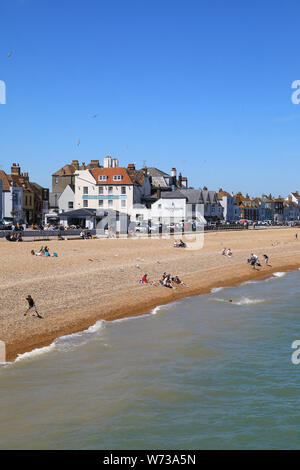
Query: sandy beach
{"x": 98, "y": 279}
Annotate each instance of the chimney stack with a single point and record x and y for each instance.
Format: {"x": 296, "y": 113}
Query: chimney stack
{"x": 75, "y": 163}
{"x": 15, "y": 169}
{"x": 131, "y": 166}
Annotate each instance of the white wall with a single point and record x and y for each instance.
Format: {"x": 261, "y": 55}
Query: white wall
{"x": 63, "y": 201}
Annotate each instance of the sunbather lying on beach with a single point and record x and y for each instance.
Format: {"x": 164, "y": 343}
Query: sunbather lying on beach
{"x": 176, "y": 280}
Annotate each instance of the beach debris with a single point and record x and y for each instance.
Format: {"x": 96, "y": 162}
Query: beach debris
{"x": 137, "y": 266}
{"x": 140, "y": 259}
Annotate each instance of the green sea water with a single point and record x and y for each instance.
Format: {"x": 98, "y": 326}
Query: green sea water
{"x": 200, "y": 373}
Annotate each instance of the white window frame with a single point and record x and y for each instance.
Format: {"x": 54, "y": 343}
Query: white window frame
{"x": 102, "y": 177}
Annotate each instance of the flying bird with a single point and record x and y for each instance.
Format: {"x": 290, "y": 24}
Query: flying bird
{"x": 95, "y": 115}
{"x": 9, "y": 54}
{"x": 78, "y": 142}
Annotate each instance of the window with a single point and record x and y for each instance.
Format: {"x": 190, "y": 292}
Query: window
{"x": 123, "y": 190}
{"x": 110, "y": 203}
{"x": 100, "y": 189}
{"x": 159, "y": 206}
{"x": 110, "y": 189}
{"x": 117, "y": 177}
{"x": 70, "y": 204}
{"x": 85, "y": 203}
{"x": 123, "y": 203}
{"x": 85, "y": 190}
{"x": 102, "y": 177}
{"x": 56, "y": 179}
{"x": 100, "y": 202}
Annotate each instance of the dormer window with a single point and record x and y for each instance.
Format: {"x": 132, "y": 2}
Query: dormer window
{"x": 117, "y": 177}
{"x": 102, "y": 178}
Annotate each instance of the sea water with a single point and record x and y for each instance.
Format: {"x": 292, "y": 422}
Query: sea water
{"x": 199, "y": 373}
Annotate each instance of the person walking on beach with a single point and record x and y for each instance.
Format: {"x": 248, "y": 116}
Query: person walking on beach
{"x": 266, "y": 259}
{"x": 296, "y": 236}
{"x": 31, "y": 307}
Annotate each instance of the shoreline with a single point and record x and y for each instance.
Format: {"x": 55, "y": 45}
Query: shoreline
{"x": 38, "y": 342}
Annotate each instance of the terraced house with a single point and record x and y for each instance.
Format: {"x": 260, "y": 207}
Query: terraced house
{"x": 112, "y": 187}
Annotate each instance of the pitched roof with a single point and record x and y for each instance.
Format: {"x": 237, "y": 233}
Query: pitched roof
{"x": 152, "y": 171}
{"x": 131, "y": 177}
{"x": 67, "y": 170}
{"x": 193, "y": 196}
{"x": 5, "y": 181}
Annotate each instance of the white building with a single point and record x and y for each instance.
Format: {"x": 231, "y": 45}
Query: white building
{"x": 12, "y": 199}
{"x": 172, "y": 207}
{"x": 230, "y": 208}
{"x": 112, "y": 187}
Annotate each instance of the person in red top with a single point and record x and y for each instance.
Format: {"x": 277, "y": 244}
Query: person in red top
{"x": 144, "y": 279}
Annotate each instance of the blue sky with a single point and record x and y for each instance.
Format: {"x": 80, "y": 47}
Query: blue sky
{"x": 204, "y": 86}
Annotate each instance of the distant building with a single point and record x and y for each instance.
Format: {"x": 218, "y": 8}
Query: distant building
{"x": 230, "y": 208}
{"x": 248, "y": 208}
{"x": 12, "y": 198}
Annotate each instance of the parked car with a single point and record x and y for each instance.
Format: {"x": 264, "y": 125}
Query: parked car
{"x": 5, "y": 225}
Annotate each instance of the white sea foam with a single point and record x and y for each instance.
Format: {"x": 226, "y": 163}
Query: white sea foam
{"x": 64, "y": 342}
{"x": 35, "y": 352}
{"x": 279, "y": 274}
{"x": 242, "y": 301}
{"x": 246, "y": 301}
{"x": 156, "y": 310}
{"x": 216, "y": 289}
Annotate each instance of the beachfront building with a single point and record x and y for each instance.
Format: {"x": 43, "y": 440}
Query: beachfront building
{"x": 230, "y": 208}
{"x": 291, "y": 211}
{"x": 181, "y": 205}
{"x": 112, "y": 187}
{"x": 66, "y": 200}
{"x": 278, "y": 209}
{"x": 23, "y": 201}
{"x": 12, "y": 199}
{"x": 248, "y": 208}
{"x": 294, "y": 197}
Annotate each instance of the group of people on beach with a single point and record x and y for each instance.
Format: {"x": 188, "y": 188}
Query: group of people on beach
{"x": 44, "y": 251}
{"x": 166, "y": 280}
{"x": 254, "y": 261}
{"x": 179, "y": 244}
{"x": 14, "y": 237}
{"x": 227, "y": 252}
{"x": 85, "y": 234}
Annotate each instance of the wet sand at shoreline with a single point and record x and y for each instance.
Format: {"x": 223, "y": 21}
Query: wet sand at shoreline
{"x": 98, "y": 279}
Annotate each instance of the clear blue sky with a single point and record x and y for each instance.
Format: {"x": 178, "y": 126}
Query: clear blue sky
{"x": 204, "y": 86}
